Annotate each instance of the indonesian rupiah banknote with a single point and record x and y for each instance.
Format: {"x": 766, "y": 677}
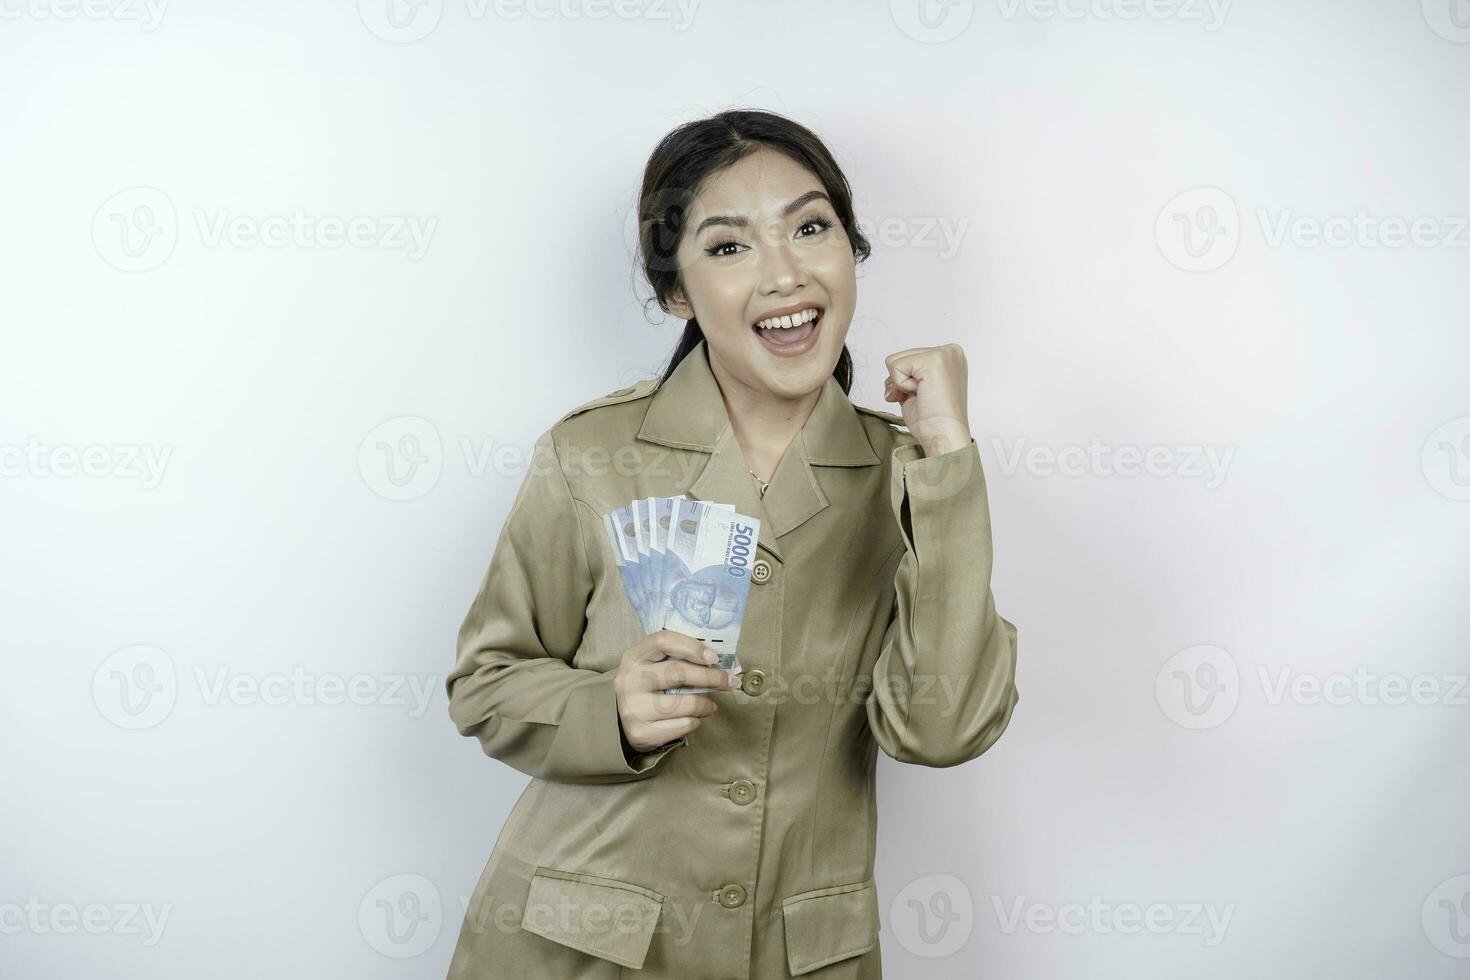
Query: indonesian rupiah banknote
{"x": 685, "y": 565}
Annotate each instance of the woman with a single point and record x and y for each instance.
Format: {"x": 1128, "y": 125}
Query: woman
{"x": 732, "y": 834}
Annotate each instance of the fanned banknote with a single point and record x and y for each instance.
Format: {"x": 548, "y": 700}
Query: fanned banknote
{"x": 685, "y": 565}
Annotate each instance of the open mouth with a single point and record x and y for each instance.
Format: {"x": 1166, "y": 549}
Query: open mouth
{"x": 790, "y": 334}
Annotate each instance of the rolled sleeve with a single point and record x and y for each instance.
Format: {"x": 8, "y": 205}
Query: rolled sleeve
{"x": 513, "y": 686}
{"x": 944, "y": 682}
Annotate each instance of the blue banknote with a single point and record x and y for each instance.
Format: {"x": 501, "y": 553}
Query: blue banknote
{"x": 685, "y": 565}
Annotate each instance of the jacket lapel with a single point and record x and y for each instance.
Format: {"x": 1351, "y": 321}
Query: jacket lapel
{"x": 688, "y": 412}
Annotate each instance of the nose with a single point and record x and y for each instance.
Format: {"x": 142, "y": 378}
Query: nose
{"x": 782, "y": 269}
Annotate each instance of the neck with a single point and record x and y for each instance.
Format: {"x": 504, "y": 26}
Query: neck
{"x": 764, "y": 423}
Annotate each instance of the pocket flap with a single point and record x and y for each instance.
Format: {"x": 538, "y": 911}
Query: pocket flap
{"x": 829, "y": 924}
{"x": 600, "y": 916}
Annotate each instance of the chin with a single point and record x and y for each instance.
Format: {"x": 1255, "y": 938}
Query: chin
{"x": 798, "y": 379}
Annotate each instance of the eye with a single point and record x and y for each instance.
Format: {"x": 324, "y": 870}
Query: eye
{"x": 714, "y": 249}
{"x": 821, "y": 223}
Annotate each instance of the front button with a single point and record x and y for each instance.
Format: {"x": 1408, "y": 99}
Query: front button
{"x": 741, "y": 792}
{"x": 732, "y": 896}
{"x": 760, "y": 572}
{"x": 753, "y": 682}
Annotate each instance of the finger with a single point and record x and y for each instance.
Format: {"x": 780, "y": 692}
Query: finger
{"x": 899, "y": 378}
{"x": 648, "y": 707}
{"x": 680, "y": 673}
{"x": 656, "y": 705}
{"x": 905, "y": 355}
{"x": 692, "y": 649}
{"x": 683, "y": 706}
{"x": 667, "y": 674}
{"x": 651, "y": 738}
{"x": 666, "y": 644}
{"x": 673, "y": 727}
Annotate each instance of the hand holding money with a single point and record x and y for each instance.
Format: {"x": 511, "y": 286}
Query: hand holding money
{"x": 659, "y": 661}
{"x": 685, "y": 566}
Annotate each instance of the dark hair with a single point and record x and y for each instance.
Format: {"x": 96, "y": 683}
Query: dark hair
{"x": 695, "y": 151}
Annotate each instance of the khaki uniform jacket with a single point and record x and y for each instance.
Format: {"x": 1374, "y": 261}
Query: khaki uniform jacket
{"x": 746, "y": 848}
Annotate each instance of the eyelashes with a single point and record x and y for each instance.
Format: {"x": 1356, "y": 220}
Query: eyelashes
{"x": 821, "y": 222}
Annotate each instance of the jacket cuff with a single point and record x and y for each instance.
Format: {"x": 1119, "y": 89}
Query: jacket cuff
{"x": 943, "y": 486}
{"x": 909, "y": 452}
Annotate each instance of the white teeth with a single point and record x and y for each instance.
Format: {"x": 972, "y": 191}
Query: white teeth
{"x": 787, "y": 322}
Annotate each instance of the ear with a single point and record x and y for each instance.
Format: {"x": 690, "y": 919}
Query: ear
{"x": 679, "y": 306}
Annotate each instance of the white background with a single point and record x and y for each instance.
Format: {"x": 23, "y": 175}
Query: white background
{"x": 1154, "y": 759}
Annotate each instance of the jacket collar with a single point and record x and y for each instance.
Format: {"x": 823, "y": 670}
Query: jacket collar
{"x": 688, "y": 412}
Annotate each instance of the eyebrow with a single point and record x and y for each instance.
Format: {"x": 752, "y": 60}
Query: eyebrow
{"x": 740, "y": 221}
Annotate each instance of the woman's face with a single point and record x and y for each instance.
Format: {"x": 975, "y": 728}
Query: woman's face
{"x": 747, "y": 253}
